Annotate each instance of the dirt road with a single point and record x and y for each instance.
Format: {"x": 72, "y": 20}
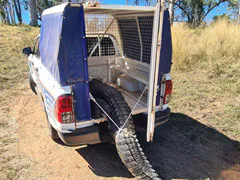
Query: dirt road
{"x": 183, "y": 149}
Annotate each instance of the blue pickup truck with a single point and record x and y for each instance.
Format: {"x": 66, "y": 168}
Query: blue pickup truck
{"x": 101, "y": 72}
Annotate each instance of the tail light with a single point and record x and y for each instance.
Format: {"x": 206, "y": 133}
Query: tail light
{"x": 168, "y": 92}
{"x": 64, "y": 109}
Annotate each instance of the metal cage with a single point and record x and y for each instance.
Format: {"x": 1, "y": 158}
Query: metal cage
{"x": 127, "y": 40}
{"x": 132, "y": 34}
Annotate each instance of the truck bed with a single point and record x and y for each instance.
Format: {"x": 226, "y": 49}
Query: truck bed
{"x": 131, "y": 98}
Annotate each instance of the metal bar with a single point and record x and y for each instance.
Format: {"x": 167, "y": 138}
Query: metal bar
{"x": 101, "y": 38}
{"x": 117, "y": 50}
{"x": 159, "y": 46}
{"x": 109, "y": 71}
{"x": 97, "y": 34}
{"x": 130, "y": 16}
{"x": 153, "y": 77}
{"x": 120, "y": 46}
{"x": 105, "y": 8}
{"x": 140, "y": 38}
{"x": 99, "y": 11}
{"x": 99, "y": 46}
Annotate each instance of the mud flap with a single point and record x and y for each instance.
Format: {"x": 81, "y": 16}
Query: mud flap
{"x": 81, "y": 102}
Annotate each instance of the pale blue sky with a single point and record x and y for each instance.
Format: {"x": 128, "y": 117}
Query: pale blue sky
{"x": 217, "y": 11}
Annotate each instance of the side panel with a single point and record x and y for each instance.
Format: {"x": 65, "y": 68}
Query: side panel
{"x": 73, "y": 60}
{"x": 64, "y": 54}
{"x": 63, "y": 45}
{"x": 72, "y": 56}
{"x": 49, "y": 42}
{"x": 49, "y": 103}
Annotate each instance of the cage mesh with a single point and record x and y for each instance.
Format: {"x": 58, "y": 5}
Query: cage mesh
{"x": 132, "y": 36}
{"x": 146, "y": 27}
{"x": 96, "y": 25}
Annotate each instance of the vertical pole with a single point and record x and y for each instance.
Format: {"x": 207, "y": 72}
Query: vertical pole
{"x": 171, "y": 11}
{"x": 140, "y": 38}
{"x": 99, "y": 46}
{"x": 154, "y": 67}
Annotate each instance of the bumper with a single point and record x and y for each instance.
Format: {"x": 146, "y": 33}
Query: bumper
{"x": 162, "y": 117}
{"x": 96, "y": 134}
{"x": 88, "y": 135}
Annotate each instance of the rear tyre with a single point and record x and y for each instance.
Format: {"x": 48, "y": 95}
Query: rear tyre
{"x": 126, "y": 141}
{"x": 32, "y": 83}
{"x": 52, "y": 132}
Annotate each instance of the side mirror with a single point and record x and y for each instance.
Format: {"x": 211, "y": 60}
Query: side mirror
{"x": 27, "y": 51}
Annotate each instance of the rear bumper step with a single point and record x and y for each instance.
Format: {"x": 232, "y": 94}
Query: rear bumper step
{"x": 88, "y": 135}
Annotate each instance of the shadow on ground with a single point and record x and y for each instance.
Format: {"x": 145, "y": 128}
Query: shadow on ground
{"x": 183, "y": 148}
{"x": 104, "y": 161}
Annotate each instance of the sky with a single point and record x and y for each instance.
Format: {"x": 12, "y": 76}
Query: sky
{"x": 217, "y": 11}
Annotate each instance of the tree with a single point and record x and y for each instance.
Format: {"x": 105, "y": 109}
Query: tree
{"x": 239, "y": 12}
{"x": 234, "y": 7}
{"x": 18, "y": 10}
{"x": 12, "y": 14}
{"x": 36, "y": 8}
{"x": 196, "y": 10}
{"x": 33, "y": 13}
{"x": 5, "y": 12}
{"x": 171, "y": 11}
{"x": 2, "y": 15}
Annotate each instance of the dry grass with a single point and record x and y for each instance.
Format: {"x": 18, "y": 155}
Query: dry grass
{"x": 13, "y": 72}
{"x": 210, "y": 47}
{"x": 206, "y": 74}
{"x": 13, "y": 65}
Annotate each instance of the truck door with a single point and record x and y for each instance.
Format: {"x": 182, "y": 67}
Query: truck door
{"x": 161, "y": 60}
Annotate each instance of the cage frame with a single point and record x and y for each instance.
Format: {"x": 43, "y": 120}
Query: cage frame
{"x": 135, "y": 11}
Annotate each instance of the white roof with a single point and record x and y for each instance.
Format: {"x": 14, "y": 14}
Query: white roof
{"x": 55, "y": 9}
{"x": 118, "y": 9}
{"x": 103, "y": 9}
{"x": 58, "y": 9}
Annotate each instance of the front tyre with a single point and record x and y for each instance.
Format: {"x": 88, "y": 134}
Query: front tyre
{"x": 32, "y": 83}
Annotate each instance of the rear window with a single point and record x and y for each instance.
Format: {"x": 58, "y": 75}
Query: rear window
{"x": 106, "y": 46}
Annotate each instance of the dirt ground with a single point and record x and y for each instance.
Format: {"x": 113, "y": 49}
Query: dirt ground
{"x": 183, "y": 149}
